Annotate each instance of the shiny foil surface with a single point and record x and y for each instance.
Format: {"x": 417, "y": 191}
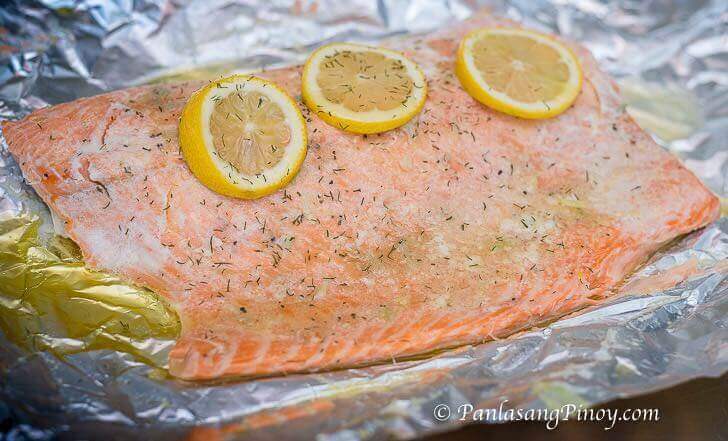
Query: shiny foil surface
{"x": 82, "y": 354}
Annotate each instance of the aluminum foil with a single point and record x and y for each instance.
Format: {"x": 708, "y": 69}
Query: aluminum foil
{"x": 669, "y": 323}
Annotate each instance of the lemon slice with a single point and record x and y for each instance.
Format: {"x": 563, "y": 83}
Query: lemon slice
{"x": 362, "y": 89}
{"x": 518, "y": 72}
{"x": 243, "y": 136}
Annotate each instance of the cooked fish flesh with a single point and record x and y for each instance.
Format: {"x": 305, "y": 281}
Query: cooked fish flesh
{"x": 462, "y": 226}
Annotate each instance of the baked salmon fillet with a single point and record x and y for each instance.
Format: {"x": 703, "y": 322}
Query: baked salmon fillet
{"x": 462, "y": 226}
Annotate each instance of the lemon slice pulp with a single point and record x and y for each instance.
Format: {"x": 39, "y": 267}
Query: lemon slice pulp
{"x": 362, "y": 89}
{"x": 243, "y": 136}
{"x": 518, "y": 72}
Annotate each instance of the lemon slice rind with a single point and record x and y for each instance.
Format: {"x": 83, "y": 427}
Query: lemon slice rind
{"x": 476, "y": 85}
{"x": 364, "y": 122}
{"x": 197, "y": 145}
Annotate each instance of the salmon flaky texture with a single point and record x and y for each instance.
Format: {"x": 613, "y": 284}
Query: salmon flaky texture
{"x": 462, "y": 226}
